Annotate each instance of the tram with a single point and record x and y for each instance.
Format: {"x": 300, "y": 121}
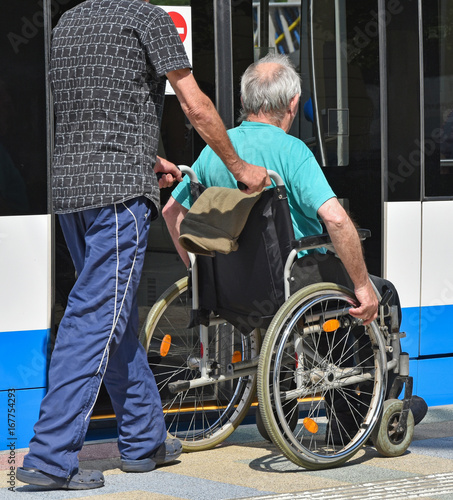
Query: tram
{"x": 376, "y": 110}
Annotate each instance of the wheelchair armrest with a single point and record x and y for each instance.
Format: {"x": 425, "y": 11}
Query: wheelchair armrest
{"x": 323, "y": 240}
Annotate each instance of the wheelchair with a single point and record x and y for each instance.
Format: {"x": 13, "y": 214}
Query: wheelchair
{"x": 299, "y": 358}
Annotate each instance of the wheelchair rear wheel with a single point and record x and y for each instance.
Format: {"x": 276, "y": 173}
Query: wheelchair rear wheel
{"x": 205, "y": 416}
{"x": 317, "y": 362}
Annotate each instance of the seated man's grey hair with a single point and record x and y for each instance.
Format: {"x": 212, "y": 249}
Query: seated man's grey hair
{"x": 269, "y": 91}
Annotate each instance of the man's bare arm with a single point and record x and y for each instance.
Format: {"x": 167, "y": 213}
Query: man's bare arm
{"x": 174, "y": 213}
{"x": 348, "y": 247}
{"x": 202, "y": 114}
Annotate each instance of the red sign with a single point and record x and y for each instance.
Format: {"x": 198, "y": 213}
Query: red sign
{"x": 180, "y": 24}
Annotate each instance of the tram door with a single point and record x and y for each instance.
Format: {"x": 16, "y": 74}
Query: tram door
{"x": 222, "y": 48}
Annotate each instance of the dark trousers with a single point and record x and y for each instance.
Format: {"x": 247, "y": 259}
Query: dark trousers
{"x": 97, "y": 342}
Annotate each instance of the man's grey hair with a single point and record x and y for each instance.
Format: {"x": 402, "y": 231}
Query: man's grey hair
{"x": 269, "y": 91}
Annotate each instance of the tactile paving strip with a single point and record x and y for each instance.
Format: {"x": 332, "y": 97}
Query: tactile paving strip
{"x": 430, "y": 486}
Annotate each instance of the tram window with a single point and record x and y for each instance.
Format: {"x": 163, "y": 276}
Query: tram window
{"x": 438, "y": 108}
{"x": 23, "y": 155}
{"x": 334, "y": 46}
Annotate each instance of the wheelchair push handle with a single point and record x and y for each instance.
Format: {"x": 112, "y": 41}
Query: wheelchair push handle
{"x": 273, "y": 175}
{"x": 188, "y": 171}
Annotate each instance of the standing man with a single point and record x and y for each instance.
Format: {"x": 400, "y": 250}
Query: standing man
{"x": 109, "y": 59}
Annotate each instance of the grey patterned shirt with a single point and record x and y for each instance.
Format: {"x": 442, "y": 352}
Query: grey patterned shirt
{"x": 108, "y": 64}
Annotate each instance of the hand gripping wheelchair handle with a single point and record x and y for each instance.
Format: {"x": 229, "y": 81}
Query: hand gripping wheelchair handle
{"x": 273, "y": 175}
{"x": 184, "y": 169}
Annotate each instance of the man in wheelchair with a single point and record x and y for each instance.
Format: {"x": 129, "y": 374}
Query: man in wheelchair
{"x": 270, "y": 92}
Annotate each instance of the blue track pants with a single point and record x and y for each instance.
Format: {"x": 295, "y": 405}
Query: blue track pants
{"x": 97, "y": 341}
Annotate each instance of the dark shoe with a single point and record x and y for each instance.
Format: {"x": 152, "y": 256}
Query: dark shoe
{"x": 419, "y": 408}
{"x": 167, "y": 452}
{"x": 81, "y": 480}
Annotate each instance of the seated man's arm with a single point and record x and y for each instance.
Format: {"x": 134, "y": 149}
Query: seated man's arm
{"x": 348, "y": 247}
{"x": 202, "y": 114}
{"x": 173, "y": 214}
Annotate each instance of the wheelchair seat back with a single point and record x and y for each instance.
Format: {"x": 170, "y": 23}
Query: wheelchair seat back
{"x": 246, "y": 287}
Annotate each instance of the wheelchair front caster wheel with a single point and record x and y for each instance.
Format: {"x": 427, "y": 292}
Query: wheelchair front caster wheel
{"x": 388, "y": 440}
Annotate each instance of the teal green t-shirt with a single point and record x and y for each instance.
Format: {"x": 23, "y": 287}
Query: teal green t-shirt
{"x": 269, "y": 146}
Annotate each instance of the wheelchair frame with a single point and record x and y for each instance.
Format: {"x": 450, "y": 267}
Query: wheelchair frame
{"x": 216, "y": 371}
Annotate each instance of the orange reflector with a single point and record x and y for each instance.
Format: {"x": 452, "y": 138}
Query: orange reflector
{"x": 310, "y": 425}
{"x": 237, "y": 356}
{"x": 165, "y": 345}
{"x": 331, "y": 325}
